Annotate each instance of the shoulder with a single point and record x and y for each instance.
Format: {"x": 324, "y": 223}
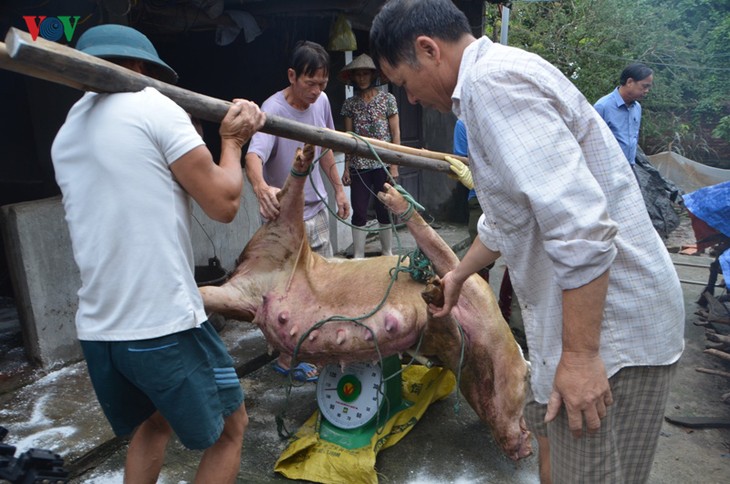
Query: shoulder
{"x": 153, "y": 101}
{"x": 349, "y": 107}
{"x": 323, "y": 101}
{"x": 150, "y": 94}
{"x": 350, "y": 102}
{"x": 389, "y": 99}
{"x": 322, "y": 109}
{"x": 602, "y": 104}
{"x": 601, "y": 101}
{"x": 274, "y": 102}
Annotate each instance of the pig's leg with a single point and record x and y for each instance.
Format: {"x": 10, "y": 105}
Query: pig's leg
{"x": 272, "y": 253}
{"x": 493, "y": 370}
{"x": 440, "y": 254}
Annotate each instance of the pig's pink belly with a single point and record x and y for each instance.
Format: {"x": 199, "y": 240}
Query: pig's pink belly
{"x": 336, "y": 333}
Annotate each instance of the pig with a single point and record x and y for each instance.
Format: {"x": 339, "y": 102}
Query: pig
{"x": 323, "y": 310}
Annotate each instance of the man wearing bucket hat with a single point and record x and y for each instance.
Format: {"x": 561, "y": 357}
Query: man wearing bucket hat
{"x": 371, "y": 113}
{"x": 127, "y": 165}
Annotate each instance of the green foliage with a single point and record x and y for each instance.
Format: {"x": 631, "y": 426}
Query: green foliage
{"x": 722, "y": 130}
{"x": 684, "y": 41}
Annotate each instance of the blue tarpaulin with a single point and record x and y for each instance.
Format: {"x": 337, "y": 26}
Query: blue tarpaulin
{"x": 712, "y": 206}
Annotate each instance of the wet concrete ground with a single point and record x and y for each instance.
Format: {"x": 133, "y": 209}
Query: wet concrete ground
{"x": 58, "y": 411}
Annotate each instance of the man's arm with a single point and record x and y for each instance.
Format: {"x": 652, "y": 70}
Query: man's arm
{"x": 394, "y": 124}
{"x": 580, "y": 378}
{"x": 327, "y": 164}
{"x": 217, "y": 188}
{"x": 266, "y": 194}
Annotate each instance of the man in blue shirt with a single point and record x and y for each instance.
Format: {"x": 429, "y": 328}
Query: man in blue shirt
{"x": 621, "y": 109}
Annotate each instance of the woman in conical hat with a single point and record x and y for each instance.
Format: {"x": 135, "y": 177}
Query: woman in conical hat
{"x": 373, "y": 113}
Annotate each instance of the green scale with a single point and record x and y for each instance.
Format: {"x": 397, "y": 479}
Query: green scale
{"x": 353, "y": 402}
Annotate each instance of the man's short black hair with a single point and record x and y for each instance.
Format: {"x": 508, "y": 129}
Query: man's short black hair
{"x": 636, "y": 71}
{"x": 309, "y": 57}
{"x": 399, "y": 22}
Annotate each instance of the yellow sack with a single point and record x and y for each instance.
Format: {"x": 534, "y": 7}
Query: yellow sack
{"x": 309, "y": 458}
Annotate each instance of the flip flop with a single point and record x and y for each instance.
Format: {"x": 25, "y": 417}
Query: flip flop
{"x": 299, "y": 372}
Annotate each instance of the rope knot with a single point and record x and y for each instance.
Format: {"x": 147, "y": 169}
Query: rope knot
{"x": 299, "y": 174}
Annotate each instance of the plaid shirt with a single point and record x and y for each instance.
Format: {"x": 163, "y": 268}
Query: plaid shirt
{"x": 562, "y": 206}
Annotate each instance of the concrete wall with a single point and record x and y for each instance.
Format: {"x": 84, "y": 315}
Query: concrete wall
{"x": 45, "y": 277}
{"x": 225, "y": 241}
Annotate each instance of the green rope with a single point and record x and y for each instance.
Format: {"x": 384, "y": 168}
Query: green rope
{"x": 412, "y": 203}
{"x": 302, "y": 174}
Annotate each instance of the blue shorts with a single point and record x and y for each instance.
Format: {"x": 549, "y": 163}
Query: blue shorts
{"x": 187, "y": 376}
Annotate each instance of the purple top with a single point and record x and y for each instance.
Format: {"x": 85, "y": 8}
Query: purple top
{"x": 278, "y": 153}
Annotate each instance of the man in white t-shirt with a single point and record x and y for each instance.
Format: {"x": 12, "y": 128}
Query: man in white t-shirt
{"x": 127, "y": 165}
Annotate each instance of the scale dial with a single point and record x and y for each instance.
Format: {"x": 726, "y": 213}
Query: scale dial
{"x": 350, "y": 399}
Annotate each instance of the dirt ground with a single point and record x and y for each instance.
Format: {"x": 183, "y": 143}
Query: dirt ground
{"x": 695, "y": 454}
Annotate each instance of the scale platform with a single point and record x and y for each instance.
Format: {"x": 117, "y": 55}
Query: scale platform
{"x": 355, "y": 402}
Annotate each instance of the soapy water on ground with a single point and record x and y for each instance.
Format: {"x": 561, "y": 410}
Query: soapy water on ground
{"x": 118, "y": 476}
{"x": 424, "y": 478}
{"x": 29, "y": 413}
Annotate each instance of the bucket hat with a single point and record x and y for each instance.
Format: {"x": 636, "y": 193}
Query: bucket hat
{"x": 363, "y": 61}
{"x": 122, "y": 42}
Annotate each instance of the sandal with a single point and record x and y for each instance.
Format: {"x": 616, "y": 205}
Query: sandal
{"x": 299, "y": 372}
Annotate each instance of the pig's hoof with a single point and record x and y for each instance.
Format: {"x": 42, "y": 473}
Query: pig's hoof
{"x": 303, "y": 161}
{"x": 433, "y": 293}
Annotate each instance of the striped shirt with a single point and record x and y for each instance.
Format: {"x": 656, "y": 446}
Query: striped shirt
{"x": 562, "y": 206}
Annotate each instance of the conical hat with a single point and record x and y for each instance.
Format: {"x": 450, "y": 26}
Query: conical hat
{"x": 363, "y": 61}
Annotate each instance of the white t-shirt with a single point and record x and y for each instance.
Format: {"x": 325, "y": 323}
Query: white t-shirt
{"x": 129, "y": 219}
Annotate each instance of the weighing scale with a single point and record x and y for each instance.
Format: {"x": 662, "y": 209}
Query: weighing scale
{"x": 353, "y": 402}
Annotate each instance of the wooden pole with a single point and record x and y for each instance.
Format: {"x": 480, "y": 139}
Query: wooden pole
{"x": 7, "y": 63}
{"x": 61, "y": 64}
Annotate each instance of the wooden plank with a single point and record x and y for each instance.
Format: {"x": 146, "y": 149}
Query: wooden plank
{"x": 720, "y": 354}
{"x": 711, "y": 371}
{"x": 700, "y": 422}
{"x": 59, "y": 63}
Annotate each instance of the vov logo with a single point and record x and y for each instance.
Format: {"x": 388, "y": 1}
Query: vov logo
{"x": 51, "y": 28}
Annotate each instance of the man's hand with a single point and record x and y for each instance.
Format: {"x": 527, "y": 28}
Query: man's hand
{"x": 343, "y": 205}
{"x": 268, "y": 203}
{"x": 346, "y": 180}
{"x": 242, "y": 120}
{"x": 461, "y": 172}
{"x": 581, "y": 384}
